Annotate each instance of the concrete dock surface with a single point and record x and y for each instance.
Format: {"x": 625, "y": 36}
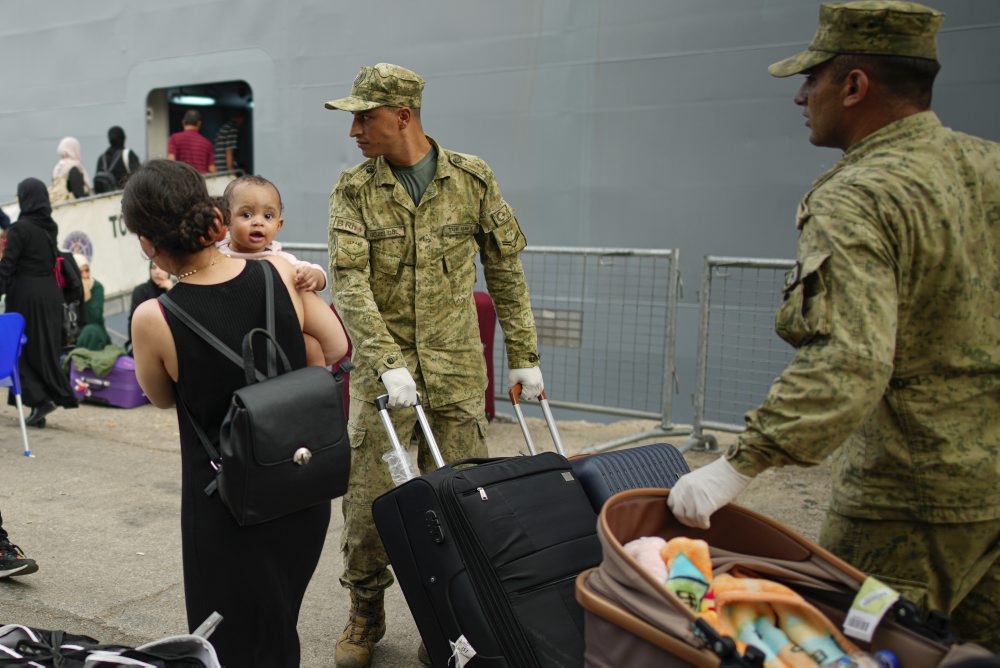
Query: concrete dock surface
{"x": 98, "y": 507}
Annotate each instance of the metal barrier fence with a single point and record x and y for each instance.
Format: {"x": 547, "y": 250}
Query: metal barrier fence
{"x": 116, "y": 303}
{"x": 606, "y": 323}
{"x": 739, "y": 355}
{"x": 607, "y": 318}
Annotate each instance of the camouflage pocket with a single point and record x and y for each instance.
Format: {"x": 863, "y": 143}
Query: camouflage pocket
{"x": 804, "y": 314}
{"x": 383, "y": 278}
{"x": 461, "y": 271}
{"x": 358, "y": 480}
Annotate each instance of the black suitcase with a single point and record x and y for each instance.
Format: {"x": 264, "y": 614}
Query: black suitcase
{"x": 604, "y": 475}
{"x": 486, "y": 553}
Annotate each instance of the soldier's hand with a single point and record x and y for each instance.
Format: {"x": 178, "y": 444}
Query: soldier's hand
{"x": 401, "y": 387}
{"x": 530, "y": 380}
{"x": 703, "y": 491}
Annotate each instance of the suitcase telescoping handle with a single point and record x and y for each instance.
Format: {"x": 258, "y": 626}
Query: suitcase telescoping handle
{"x": 515, "y": 399}
{"x": 382, "y": 402}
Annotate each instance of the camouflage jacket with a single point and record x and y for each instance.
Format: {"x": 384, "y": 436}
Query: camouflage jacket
{"x": 893, "y": 305}
{"x": 403, "y": 275}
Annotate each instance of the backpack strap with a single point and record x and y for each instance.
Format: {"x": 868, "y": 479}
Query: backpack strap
{"x": 214, "y": 459}
{"x": 272, "y": 341}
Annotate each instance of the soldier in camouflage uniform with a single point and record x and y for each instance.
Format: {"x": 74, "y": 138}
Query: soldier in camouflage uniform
{"x": 893, "y": 307}
{"x": 405, "y": 226}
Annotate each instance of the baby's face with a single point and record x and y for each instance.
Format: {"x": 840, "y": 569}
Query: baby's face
{"x": 255, "y": 217}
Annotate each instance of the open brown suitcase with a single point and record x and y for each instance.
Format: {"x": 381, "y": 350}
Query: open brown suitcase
{"x": 632, "y": 620}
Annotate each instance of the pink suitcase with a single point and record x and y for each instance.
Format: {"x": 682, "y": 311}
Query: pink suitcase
{"x": 118, "y": 388}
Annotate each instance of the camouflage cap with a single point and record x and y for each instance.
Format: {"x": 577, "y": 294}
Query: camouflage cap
{"x": 872, "y": 27}
{"x": 381, "y": 85}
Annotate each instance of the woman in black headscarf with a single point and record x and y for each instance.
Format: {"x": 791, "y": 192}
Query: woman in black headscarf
{"x": 27, "y": 277}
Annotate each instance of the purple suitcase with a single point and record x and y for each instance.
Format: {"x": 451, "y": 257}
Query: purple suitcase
{"x": 118, "y": 388}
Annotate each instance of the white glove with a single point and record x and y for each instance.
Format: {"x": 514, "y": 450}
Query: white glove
{"x": 401, "y": 387}
{"x": 530, "y": 380}
{"x": 703, "y": 491}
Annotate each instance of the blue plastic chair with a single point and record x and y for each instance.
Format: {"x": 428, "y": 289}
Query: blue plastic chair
{"x": 11, "y": 339}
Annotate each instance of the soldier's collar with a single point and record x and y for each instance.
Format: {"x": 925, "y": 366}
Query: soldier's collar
{"x": 892, "y": 133}
{"x": 443, "y": 168}
{"x": 385, "y": 177}
{"x": 885, "y": 136}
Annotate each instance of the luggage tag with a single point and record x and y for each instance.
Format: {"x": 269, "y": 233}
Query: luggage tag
{"x": 872, "y": 602}
{"x": 461, "y": 652}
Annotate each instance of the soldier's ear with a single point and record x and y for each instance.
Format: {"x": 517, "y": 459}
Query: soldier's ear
{"x": 403, "y": 117}
{"x": 856, "y": 87}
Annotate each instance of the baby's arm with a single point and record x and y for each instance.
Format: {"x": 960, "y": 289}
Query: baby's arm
{"x": 309, "y": 276}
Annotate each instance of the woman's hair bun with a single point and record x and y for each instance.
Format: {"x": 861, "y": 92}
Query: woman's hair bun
{"x": 198, "y": 226}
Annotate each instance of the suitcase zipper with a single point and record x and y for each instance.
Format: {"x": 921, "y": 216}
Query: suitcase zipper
{"x": 511, "y": 636}
{"x": 553, "y": 583}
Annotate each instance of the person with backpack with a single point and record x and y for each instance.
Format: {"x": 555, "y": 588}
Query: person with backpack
{"x": 69, "y": 178}
{"x": 115, "y": 164}
{"x": 228, "y": 568}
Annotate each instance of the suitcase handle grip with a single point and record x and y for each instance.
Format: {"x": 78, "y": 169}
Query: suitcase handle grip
{"x": 382, "y": 403}
{"x": 515, "y": 399}
{"x": 515, "y": 394}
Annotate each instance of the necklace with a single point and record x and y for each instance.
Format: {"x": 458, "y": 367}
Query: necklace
{"x": 195, "y": 271}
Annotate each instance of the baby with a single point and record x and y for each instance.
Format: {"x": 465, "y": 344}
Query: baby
{"x": 251, "y": 207}
{"x": 253, "y": 213}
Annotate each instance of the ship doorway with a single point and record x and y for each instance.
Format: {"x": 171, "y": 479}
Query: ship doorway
{"x": 217, "y": 103}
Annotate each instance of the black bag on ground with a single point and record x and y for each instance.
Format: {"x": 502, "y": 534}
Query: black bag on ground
{"x": 283, "y": 444}
{"x": 23, "y": 646}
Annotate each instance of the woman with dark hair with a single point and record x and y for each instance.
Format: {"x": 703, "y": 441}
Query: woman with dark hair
{"x": 254, "y": 576}
{"x": 116, "y": 161}
{"x": 27, "y": 276}
{"x": 159, "y": 282}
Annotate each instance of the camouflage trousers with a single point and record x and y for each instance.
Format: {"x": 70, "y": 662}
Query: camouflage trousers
{"x": 954, "y": 568}
{"x": 460, "y": 432}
